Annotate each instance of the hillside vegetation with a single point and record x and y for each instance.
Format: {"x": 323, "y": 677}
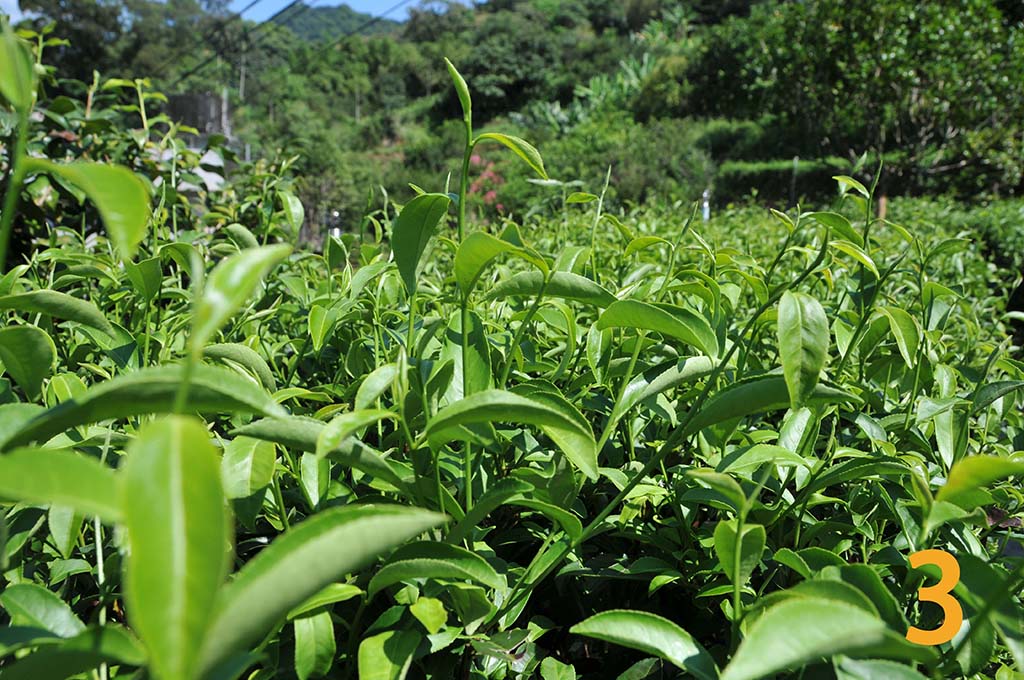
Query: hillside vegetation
{"x": 528, "y": 413}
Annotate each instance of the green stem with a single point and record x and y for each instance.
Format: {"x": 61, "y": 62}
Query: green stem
{"x": 507, "y": 368}
{"x": 279, "y": 501}
{"x": 15, "y": 178}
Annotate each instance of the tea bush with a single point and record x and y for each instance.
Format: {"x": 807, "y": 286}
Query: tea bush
{"x": 602, "y": 445}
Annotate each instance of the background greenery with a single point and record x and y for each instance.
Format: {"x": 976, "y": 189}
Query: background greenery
{"x": 729, "y": 94}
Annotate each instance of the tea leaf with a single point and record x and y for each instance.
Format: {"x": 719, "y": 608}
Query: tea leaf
{"x": 739, "y": 553}
{"x": 121, "y": 198}
{"x": 434, "y": 560}
{"x": 387, "y": 656}
{"x": 461, "y": 89}
{"x": 300, "y": 563}
{"x": 314, "y": 645}
{"x": 247, "y": 466}
{"x": 412, "y": 231}
{"x": 227, "y": 288}
{"x": 346, "y": 425}
{"x": 673, "y": 322}
{"x": 651, "y": 634}
{"x": 31, "y": 605}
{"x": 520, "y": 147}
{"x": 61, "y": 478}
{"x": 799, "y": 631}
{"x": 28, "y": 354}
{"x": 58, "y": 305}
{"x": 179, "y": 540}
{"x": 564, "y": 285}
{"x": 570, "y": 435}
{"x": 478, "y": 249}
{"x": 803, "y": 344}
{"x": 17, "y": 79}
{"x": 150, "y": 390}
{"x": 972, "y": 474}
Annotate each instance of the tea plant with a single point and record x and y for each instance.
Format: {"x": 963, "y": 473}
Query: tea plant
{"x": 609, "y": 445}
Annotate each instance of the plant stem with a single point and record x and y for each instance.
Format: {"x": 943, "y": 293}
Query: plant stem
{"x": 507, "y": 368}
{"x": 14, "y": 180}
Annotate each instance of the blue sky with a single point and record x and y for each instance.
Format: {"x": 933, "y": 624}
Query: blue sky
{"x": 266, "y": 8}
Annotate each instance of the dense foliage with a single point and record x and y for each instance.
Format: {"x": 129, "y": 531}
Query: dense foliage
{"x": 728, "y": 92}
{"x": 599, "y": 442}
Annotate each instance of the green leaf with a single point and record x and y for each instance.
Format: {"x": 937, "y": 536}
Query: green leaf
{"x": 656, "y": 380}
{"x": 374, "y": 385}
{"x": 244, "y": 357}
{"x": 519, "y": 147}
{"x": 478, "y": 249}
{"x": 229, "y": 286}
{"x": 757, "y": 395}
{"x": 495, "y": 496}
{"x": 971, "y": 475}
{"x": 387, "y": 656}
{"x": 838, "y": 224}
{"x": 580, "y": 197}
{"x": 750, "y": 458}
{"x": 430, "y": 560}
{"x": 673, "y": 322}
{"x": 321, "y": 323}
{"x": 35, "y": 606}
{"x": 335, "y": 592}
{"x": 247, "y": 466}
{"x": 302, "y": 433}
{"x": 344, "y": 426}
{"x": 799, "y": 631}
{"x": 120, "y": 196}
{"x": 472, "y": 370}
{"x": 803, "y": 344}
{"x": 412, "y": 231}
{"x": 875, "y": 669}
{"x": 739, "y": 553}
{"x": 146, "y": 276}
{"x": 58, "y": 477}
{"x": 642, "y": 242}
{"x": 314, "y": 645}
{"x": 179, "y": 536}
{"x": 906, "y": 331}
{"x": 857, "y": 254}
{"x": 28, "y": 354}
{"x": 301, "y": 562}
{"x": 17, "y": 77}
{"x": 293, "y": 210}
{"x": 846, "y": 183}
{"x": 553, "y": 669}
{"x": 989, "y": 392}
{"x": 150, "y": 390}
{"x": 564, "y": 285}
{"x": 651, "y": 634}
{"x": 571, "y": 434}
{"x": 430, "y": 612}
{"x": 58, "y": 305}
{"x": 461, "y": 89}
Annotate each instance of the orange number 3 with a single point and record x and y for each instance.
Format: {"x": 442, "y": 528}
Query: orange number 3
{"x": 939, "y": 594}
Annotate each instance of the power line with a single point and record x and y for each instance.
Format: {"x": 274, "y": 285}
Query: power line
{"x": 222, "y": 24}
{"x": 263, "y": 25}
{"x": 248, "y": 33}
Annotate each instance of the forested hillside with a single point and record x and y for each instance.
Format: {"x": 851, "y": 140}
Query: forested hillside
{"x": 675, "y": 96}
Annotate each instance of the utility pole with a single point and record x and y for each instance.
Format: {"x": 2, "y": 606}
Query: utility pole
{"x": 241, "y": 78}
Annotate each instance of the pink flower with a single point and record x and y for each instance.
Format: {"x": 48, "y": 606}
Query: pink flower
{"x": 475, "y": 159}
{"x": 490, "y": 197}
